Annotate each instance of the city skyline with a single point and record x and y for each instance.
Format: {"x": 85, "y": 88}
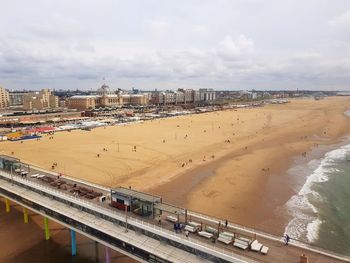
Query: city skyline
{"x": 238, "y": 45}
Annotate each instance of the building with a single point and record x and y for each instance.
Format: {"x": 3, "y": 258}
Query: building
{"x": 157, "y": 98}
{"x": 134, "y": 99}
{"x": 187, "y": 95}
{"x": 182, "y": 96}
{"x": 179, "y": 97}
{"x": 192, "y": 96}
{"x": 82, "y": 102}
{"x": 16, "y": 98}
{"x": 39, "y": 100}
{"x": 4, "y": 98}
{"x": 104, "y": 97}
{"x": 207, "y": 95}
{"x": 196, "y": 96}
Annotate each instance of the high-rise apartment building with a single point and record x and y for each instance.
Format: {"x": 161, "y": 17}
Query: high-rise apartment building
{"x": 39, "y": 100}
{"x": 4, "y": 98}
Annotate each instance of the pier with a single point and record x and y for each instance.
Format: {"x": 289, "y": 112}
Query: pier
{"x": 147, "y": 233}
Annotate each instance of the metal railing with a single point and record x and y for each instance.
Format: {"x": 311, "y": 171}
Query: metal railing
{"x": 158, "y": 230}
{"x": 115, "y": 214}
{"x": 296, "y": 243}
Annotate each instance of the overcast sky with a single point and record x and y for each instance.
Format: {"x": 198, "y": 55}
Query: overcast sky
{"x": 233, "y": 44}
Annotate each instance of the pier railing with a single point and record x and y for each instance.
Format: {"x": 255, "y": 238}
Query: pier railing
{"x": 166, "y": 233}
{"x": 251, "y": 231}
{"x": 138, "y": 223}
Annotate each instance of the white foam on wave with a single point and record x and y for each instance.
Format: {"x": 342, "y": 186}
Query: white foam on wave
{"x": 304, "y": 223}
{"x": 312, "y": 229}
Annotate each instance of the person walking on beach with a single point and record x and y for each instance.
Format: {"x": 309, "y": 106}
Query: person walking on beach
{"x": 226, "y": 223}
{"x": 287, "y": 238}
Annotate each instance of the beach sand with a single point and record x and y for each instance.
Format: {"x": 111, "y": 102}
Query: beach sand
{"x": 243, "y": 180}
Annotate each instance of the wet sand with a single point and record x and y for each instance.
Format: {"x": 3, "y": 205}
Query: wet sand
{"x": 244, "y": 180}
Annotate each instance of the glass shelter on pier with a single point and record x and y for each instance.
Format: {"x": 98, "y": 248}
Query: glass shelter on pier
{"x": 9, "y": 163}
{"x": 137, "y": 202}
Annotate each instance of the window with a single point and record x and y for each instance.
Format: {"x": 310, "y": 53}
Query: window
{"x": 120, "y": 201}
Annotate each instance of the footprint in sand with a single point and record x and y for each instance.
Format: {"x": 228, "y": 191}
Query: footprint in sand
{"x": 211, "y": 194}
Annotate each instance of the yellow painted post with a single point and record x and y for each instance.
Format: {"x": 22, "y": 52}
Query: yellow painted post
{"x": 46, "y": 225}
{"x": 25, "y": 215}
{"x": 7, "y": 204}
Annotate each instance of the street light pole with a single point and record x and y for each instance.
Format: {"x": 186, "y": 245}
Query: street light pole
{"x": 126, "y": 218}
{"x": 11, "y": 176}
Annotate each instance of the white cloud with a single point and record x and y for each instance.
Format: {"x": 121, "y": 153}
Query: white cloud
{"x": 159, "y": 28}
{"x": 341, "y": 20}
{"x": 234, "y": 44}
{"x": 200, "y": 30}
{"x": 236, "y": 48}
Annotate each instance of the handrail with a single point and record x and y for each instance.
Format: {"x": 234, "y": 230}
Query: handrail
{"x": 294, "y": 242}
{"x": 189, "y": 241}
{"x": 133, "y": 221}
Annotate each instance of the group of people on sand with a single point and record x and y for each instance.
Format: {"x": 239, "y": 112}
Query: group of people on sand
{"x": 185, "y": 163}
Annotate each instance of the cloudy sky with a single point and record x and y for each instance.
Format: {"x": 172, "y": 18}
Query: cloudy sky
{"x": 147, "y": 44}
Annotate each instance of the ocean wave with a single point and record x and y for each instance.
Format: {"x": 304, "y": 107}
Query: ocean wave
{"x": 305, "y": 224}
{"x": 312, "y": 230}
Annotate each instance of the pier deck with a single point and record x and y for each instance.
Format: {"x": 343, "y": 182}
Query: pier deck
{"x": 278, "y": 252}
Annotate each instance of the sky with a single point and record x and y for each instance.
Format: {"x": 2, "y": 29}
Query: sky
{"x": 220, "y": 44}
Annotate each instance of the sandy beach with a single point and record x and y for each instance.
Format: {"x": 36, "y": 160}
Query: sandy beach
{"x": 230, "y": 164}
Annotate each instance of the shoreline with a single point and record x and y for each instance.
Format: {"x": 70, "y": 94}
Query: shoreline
{"x": 273, "y": 215}
{"x": 179, "y": 193}
{"x": 304, "y": 222}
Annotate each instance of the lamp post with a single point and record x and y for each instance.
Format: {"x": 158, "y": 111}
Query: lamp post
{"x": 11, "y": 176}
{"x": 126, "y": 218}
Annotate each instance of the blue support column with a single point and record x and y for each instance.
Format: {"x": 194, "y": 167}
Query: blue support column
{"x": 74, "y": 242}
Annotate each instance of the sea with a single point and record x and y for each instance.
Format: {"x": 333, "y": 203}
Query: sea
{"x": 320, "y": 211}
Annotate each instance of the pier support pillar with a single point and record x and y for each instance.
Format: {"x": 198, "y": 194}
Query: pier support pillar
{"x": 96, "y": 252}
{"x": 7, "y": 204}
{"x": 73, "y": 242}
{"x": 108, "y": 255}
{"x": 25, "y": 215}
{"x": 46, "y": 225}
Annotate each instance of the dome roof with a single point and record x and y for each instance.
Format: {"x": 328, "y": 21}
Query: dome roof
{"x": 104, "y": 90}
